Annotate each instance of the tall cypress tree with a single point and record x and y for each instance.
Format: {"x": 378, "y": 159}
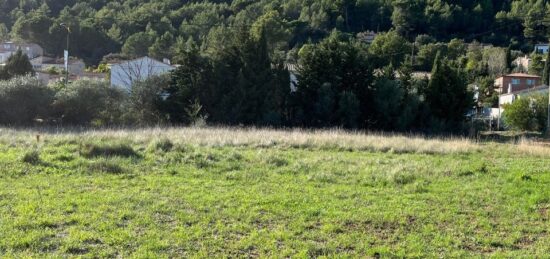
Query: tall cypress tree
{"x": 508, "y": 60}
{"x": 447, "y": 96}
{"x": 546, "y": 71}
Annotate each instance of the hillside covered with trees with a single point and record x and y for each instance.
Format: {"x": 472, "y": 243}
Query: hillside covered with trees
{"x": 155, "y": 27}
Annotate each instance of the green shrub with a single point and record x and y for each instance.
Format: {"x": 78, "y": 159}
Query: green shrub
{"x": 528, "y": 113}
{"x": 24, "y": 99}
{"x": 89, "y": 102}
{"x": 142, "y": 107}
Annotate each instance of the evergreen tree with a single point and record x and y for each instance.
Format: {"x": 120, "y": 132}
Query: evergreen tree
{"x": 257, "y": 76}
{"x": 278, "y": 99}
{"x": 4, "y": 74}
{"x": 447, "y": 96}
{"x": 4, "y": 33}
{"x": 18, "y": 64}
{"x": 348, "y": 110}
{"x": 406, "y": 14}
{"x": 138, "y": 44}
{"x": 509, "y": 62}
{"x": 161, "y": 49}
{"x": 188, "y": 84}
{"x": 326, "y": 71}
{"x": 325, "y": 107}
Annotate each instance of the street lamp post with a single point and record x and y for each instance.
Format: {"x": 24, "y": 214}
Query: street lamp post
{"x": 66, "y": 53}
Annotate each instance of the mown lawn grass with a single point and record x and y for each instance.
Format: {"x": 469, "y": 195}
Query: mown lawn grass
{"x": 76, "y": 195}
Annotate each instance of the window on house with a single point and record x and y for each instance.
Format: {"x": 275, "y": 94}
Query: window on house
{"x": 530, "y": 82}
{"x": 515, "y": 81}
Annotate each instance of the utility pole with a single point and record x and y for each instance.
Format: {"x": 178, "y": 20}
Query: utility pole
{"x": 66, "y": 53}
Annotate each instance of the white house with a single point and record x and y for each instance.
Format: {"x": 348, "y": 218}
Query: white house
{"x": 125, "y": 73}
{"x": 9, "y": 48}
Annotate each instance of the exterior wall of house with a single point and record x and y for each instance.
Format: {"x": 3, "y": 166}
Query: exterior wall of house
{"x": 4, "y": 56}
{"x": 517, "y": 83}
{"x": 126, "y": 73}
{"x": 75, "y": 67}
{"x": 511, "y": 97}
{"x": 8, "y": 48}
{"x": 542, "y": 48}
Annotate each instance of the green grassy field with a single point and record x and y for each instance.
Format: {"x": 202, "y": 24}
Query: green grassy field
{"x": 261, "y": 193}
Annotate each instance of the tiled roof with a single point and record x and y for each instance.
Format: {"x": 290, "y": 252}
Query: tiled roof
{"x": 521, "y": 75}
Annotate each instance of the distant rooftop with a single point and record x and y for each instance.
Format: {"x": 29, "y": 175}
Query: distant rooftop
{"x": 521, "y": 75}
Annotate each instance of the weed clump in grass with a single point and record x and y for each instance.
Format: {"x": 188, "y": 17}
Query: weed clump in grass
{"x": 106, "y": 166}
{"x": 163, "y": 145}
{"x": 108, "y": 150}
{"x": 403, "y": 178}
{"x": 31, "y": 157}
{"x": 277, "y": 161}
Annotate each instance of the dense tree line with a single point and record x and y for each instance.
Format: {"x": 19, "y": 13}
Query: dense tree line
{"x": 241, "y": 84}
{"x": 233, "y": 57}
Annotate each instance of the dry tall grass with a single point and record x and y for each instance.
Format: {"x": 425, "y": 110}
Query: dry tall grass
{"x": 531, "y": 147}
{"x": 338, "y": 139}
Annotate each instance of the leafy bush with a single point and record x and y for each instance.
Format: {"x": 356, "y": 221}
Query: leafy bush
{"x": 89, "y": 102}
{"x": 24, "y": 99}
{"x": 527, "y": 113}
{"x": 142, "y": 105}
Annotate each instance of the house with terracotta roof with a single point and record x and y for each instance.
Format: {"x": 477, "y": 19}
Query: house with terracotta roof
{"x": 516, "y": 82}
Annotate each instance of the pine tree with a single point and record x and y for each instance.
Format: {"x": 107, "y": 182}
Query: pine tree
{"x": 18, "y": 64}
{"x": 161, "y": 49}
{"x": 188, "y": 84}
{"x": 348, "y": 110}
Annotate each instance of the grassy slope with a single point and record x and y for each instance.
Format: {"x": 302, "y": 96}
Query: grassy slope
{"x": 242, "y": 200}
